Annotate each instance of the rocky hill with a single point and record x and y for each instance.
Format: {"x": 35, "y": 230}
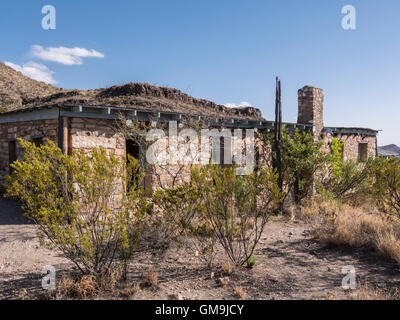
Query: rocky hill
{"x": 390, "y": 150}
{"x": 19, "y": 92}
{"x": 16, "y": 89}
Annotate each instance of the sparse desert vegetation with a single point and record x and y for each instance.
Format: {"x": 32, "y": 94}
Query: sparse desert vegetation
{"x": 264, "y": 243}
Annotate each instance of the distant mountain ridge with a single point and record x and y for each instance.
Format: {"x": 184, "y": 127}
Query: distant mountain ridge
{"x": 16, "y": 89}
{"x": 390, "y": 150}
{"x": 20, "y": 92}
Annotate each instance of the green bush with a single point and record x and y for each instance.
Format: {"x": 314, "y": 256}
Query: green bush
{"x": 351, "y": 179}
{"x": 82, "y": 204}
{"x": 217, "y": 206}
{"x": 176, "y": 218}
{"x": 347, "y": 180}
{"x": 251, "y": 262}
{"x": 387, "y": 185}
{"x": 235, "y": 209}
{"x": 302, "y": 158}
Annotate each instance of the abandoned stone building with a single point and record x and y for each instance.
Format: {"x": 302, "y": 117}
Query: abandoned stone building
{"x": 85, "y": 126}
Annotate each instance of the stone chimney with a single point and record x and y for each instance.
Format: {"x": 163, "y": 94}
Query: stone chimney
{"x": 311, "y": 100}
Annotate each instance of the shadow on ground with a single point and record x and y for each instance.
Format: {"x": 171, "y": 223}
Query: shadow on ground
{"x": 11, "y": 213}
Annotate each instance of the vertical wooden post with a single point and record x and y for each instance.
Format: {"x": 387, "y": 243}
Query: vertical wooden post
{"x": 278, "y": 136}
{"x": 66, "y": 137}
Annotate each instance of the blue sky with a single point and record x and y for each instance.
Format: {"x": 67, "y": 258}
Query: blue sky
{"x": 226, "y": 51}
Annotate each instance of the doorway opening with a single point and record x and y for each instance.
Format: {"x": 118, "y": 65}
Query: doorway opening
{"x": 133, "y": 150}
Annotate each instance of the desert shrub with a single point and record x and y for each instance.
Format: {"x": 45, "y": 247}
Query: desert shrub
{"x": 387, "y": 186}
{"x": 347, "y": 180}
{"x": 302, "y": 158}
{"x": 176, "y": 219}
{"x": 353, "y": 179}
{"x": 235, "y": 209}
{"x": 251, "y": 262}
{"x": 82, "y": 204}
{"x": 217, "y": 206}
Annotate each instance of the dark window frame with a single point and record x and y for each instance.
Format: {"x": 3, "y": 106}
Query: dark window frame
{"x": 12, "y": 153}
{"x": 362, "y": 151}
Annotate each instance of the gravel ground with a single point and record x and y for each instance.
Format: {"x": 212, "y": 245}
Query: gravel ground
{"x": 290, "y": 265}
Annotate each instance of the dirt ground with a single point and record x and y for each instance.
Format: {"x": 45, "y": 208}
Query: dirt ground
{"x": 290, "y": 265}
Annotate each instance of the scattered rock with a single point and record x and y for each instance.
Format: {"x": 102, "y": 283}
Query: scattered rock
{"x": 175, "y": 297}
{"x": 306, "y": 233}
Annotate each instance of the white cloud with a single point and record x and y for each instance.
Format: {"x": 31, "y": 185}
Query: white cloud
{"x": 33, "y": 70}
{"x": 66, "y": 56}
{"x": 240, "y": 105}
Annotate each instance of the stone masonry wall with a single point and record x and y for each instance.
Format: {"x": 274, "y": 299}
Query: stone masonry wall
{"x": 86, "y": 134}
{"x": 350, "y": 150}
{"x": 310, "y": 107}
{"x": 26, "y": 130}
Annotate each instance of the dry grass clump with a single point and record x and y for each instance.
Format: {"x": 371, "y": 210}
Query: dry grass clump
{"x": 366, "y": 291}
{"x": 66, "y": 287}
{"x": 84, "y": 288}
{"x": 239, "y": 292}
{"x": 388, "y": 245}
{"x": 223, "y": 282}
{"x": 87, "y": 287}
{"x": 227, "y": 268}
{"x": 355, "y": 227}
{"x": 151, "y": 279}
{"x": 129, "y": 291}
{"x": 23, "y": 295}
{"x": 90, "y": 287}
{"x": 317, "y": 209}
{"x": 350, "y": 227}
